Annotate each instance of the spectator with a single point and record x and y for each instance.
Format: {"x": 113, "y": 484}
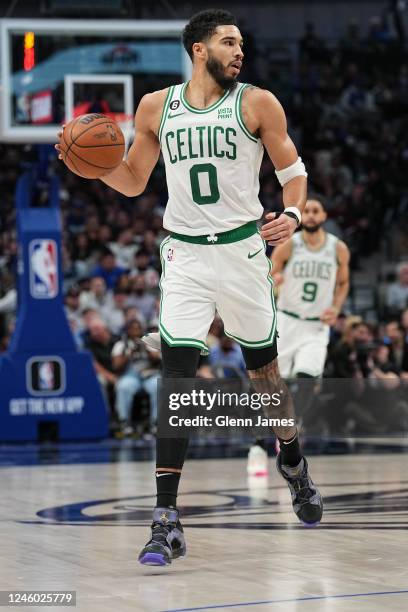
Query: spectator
{"x": 8, "y": 303}
{"x": 383, "y": 364}
{"x": 124, "y": 248}
{"x": 350, "y": 354}
{"x": 394, "y": 339}
{"x": 101, "y": 342}
{"x": 83, "y": 255}
{"x": 227, "y": 355}
{"x": 143, "y": 266}
{"x": 108, "y": 269}
{"x": 141, "y": 298}
{"x": 397, "y": 294}
{"x": 72, "y": 308}
{"x": 115, "y": 315}
{"x": 131, "y": 312}
{"x": 98, "y": 297}
{"x": 137, "y": 368}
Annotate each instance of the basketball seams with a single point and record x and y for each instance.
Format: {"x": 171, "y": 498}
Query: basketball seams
{"x": 73, "y": 140}
{"x": 70, "y": 159}
{"x": 91, "y": 163}
{"x": 75, "y": 158}
{"x": 90, "y": 128}
{"x": 75, "y": 166}
{"x": 97, "y": 146}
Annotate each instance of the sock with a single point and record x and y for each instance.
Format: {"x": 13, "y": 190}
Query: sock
{"x": 290, "y": 451}
{"x": 167, "y": 486}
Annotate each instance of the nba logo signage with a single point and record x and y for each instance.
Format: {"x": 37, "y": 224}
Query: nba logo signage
{"x": 45, "y": 375}
{"x": 43, "y": 269}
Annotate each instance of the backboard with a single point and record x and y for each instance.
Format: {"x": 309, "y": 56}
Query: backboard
{"x": 110, "y": 94}
{"x": 52, "y": 69}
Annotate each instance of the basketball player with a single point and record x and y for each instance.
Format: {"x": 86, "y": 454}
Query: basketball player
{"x": 312, "y": 272}
{"x": 212, "y": 131}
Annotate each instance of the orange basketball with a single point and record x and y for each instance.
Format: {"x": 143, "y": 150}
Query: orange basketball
{"x": 92, "y": 145}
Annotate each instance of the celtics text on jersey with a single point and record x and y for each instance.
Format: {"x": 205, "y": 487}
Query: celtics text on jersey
{"x": 309, "y": 278}
{"x": 212, "y": 164}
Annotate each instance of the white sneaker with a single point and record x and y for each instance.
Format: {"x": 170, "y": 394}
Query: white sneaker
{"x": 257, "y": 461}
{"x": 152, "y": 341}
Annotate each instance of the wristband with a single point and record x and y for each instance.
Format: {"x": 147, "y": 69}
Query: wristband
{"x": 293, "y": 212}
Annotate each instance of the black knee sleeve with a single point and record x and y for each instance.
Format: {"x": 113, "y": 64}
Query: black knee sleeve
{"x": 179, "y": 361}
{"x": 257, "y": 358}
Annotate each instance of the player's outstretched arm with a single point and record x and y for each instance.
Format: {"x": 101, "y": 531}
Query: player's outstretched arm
{"x": 131, "y": 177}
{"x": 264, "y": 114}
{"x": 341, "y": 289}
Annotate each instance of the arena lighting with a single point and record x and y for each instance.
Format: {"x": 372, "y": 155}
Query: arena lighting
{"x": 29, "y": 56}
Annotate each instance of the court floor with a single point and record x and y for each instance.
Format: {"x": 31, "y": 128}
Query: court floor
{"x": 80, "y": 527}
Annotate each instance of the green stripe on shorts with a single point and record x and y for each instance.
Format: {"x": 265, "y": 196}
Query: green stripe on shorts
{"x": 163, "y": 331}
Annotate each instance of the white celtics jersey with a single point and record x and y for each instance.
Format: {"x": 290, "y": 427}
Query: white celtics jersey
{"x": 212, "y": 164}
{"x": 309, "y": 278}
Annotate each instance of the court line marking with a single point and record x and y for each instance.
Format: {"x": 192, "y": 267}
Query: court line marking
{"x": 291, "y": 600}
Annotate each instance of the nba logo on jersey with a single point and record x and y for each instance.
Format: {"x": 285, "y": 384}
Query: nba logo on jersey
{"x": 45, "y": 375}
{"x": 43, "y": 269}
{"x": 170, "y": 254}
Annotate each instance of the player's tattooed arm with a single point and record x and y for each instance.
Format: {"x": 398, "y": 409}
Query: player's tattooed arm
{"x": 131, "y": 177}
{"x": 329, "y": 316}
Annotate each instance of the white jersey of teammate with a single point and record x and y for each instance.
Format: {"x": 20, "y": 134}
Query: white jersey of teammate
{"x": 211, "y": 159}
{"x": 309, "y": 278}
{"x": 309, "y": 281}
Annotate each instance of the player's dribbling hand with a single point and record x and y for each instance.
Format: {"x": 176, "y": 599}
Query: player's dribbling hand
{"x": 57, "y": 147}
{"x": 329, "y": 316}
{"x": 278, "y": 230}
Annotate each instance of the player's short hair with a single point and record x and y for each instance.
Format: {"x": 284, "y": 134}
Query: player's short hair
{"x": 202, "y": 26}
{"x": 317, "y": 197}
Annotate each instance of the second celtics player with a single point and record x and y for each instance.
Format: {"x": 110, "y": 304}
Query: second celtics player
{"x": 312, "y": 272}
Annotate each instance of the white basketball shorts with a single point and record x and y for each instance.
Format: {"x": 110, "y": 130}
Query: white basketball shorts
{"x": 233, "y": 278}
{"x": 302, "y": 346}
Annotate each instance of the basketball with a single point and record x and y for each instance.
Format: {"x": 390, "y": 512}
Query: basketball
{"x": 92, "y": 145}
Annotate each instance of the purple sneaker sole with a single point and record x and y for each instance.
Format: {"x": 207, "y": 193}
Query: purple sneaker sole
{"x": 153, "y": 559}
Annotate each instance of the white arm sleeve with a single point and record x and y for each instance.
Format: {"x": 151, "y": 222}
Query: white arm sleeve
{"x": 287, "y": 174}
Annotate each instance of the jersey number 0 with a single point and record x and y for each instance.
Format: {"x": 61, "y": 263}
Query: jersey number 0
{"x": 201, "y": 176}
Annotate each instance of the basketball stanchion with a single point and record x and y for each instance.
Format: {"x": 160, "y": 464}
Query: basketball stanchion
{"x": 49, "y": 389}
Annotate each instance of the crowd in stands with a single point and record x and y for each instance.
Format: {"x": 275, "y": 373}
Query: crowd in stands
{"x": 346, "y": 107}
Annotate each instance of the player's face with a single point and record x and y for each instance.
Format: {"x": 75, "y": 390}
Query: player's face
{"x": 313, "y": 216}
{"x": 225, "y": 55}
